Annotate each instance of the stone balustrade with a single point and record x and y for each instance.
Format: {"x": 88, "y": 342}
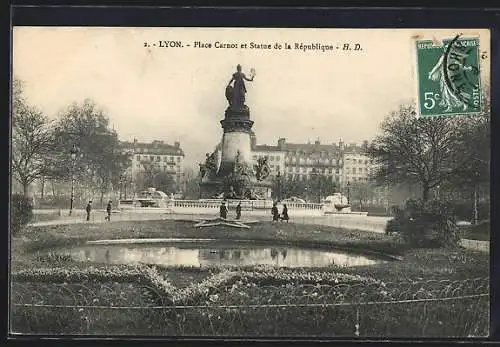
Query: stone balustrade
{"x": 246, "y": 205}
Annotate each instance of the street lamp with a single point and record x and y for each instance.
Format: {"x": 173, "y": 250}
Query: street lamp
{"x": 121, "y": 184}
{"x": 348, "y": 192}
{"x": 74, "y": 153}
{"x": 278, "y": 177}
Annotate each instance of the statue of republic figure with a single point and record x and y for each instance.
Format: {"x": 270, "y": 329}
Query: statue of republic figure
{"x": 235, "y": 94}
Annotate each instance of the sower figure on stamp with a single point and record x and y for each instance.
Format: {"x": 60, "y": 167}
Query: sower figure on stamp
{"x": 275, "y": 213}
{"x": 238, "y": 211}
{"x": 284, "y": 214}
{"x": 223, "y": 210}
{"x": 108, "y": 211}
{"x": 88, "y": 209}
{"x": 448, "y": 98}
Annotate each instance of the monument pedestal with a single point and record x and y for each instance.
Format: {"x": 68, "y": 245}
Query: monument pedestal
{"x": 233, "y": 173}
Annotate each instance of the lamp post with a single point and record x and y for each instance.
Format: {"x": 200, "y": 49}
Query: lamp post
{"x": 278, "y": 178}
{"x": 73, "y": 152}
{"x": 348, "y": 192}
{"x": 121, "y": 184}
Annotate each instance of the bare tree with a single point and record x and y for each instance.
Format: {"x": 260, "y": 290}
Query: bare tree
{"x": 362, "y": 192}
{"x": 31, "y": 139}
{"x": 423, "y": 151}
{"x": 101, "y": 161}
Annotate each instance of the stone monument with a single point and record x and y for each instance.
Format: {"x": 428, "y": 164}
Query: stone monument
{"x": 229, "y": 171}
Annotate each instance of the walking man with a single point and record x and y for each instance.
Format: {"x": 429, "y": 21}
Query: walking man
{"x": 238, "y": 211}
{"x": 89, "y": 209}
{"x": 108, "y": 211}
{"x": 223, "y": 210}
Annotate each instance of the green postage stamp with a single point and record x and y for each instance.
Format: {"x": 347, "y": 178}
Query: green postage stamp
{"x": 448, "y": 77}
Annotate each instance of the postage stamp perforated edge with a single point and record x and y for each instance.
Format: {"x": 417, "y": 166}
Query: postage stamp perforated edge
{"x": 437, "y": 40}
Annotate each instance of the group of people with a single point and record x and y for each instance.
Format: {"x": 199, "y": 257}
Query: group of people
{"x": 223, "y": 210}
{"x": 109, "y": 208}
{"x": 276, "y": 214}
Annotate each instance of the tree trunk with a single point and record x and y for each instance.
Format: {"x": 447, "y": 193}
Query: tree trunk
{"x": 425, "y": 191}
{"x": 42, "y": 182}
{"x": 26, "y": 187}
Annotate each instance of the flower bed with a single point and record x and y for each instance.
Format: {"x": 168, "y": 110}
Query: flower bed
{"x": 120, "y": 300}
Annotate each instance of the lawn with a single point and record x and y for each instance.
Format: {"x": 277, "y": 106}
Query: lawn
{"x": 480, "y": 232}
{"x": 255, "y": 300}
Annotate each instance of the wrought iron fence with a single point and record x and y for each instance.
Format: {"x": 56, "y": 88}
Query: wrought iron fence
{"x": 435, "y": 308}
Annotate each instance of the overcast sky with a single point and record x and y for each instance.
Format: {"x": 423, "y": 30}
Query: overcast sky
{"x": 177, "y": 94}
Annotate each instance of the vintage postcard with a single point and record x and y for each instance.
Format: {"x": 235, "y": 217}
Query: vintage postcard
{"x": 250, "y": 182}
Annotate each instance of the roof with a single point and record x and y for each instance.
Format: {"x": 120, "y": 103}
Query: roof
{"x": 355, "y": 150}
{"x": 311, "y": 147}
{"x": 266, "y": 148}
{"x": 155, "y": 147}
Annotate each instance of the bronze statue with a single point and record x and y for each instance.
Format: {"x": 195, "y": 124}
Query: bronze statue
{"x": 235, "y": 94}
{"x": 262, "y": 169}
{"x": 210, "y": 162}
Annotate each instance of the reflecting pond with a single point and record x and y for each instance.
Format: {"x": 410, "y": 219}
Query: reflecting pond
{"x": 197, "y": 254}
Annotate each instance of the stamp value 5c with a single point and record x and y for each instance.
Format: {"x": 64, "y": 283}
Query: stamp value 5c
{"x": 448, "y": 77}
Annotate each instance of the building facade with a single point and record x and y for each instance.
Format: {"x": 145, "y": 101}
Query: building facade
{"x": 155, "y": 155}
{"x": 357, "y": 164}
{"x": 340, "y": 162}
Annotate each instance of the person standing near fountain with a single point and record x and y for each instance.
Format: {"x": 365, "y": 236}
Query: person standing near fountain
{"x": 275, "y": 213}
{"x": 88, "y": 209}
{"x": 108, "y": 211}
{"x": 284, "y": 214}
{"x": 238, "y": 211}
{"x": 223, "y": 210}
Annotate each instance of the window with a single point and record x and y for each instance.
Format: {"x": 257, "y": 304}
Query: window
{"x": 354, "y": 170}
{"x": 138, "y": 157}
{"x": 171, "y": 158}
{"x": 178, "y": 159}
{"x": 366, "y": 162}
{"x": 151, "y": 157}
{"x": 158, "y": 158}
{"x": 254, "y": 157}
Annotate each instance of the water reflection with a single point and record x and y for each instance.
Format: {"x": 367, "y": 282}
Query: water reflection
{"x": 196, "y": 255}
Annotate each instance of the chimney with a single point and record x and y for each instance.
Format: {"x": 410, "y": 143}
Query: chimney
{"x": 317, "y": 143}
{"x": 281, "y": 143}
{"x": 177, "y": 144}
